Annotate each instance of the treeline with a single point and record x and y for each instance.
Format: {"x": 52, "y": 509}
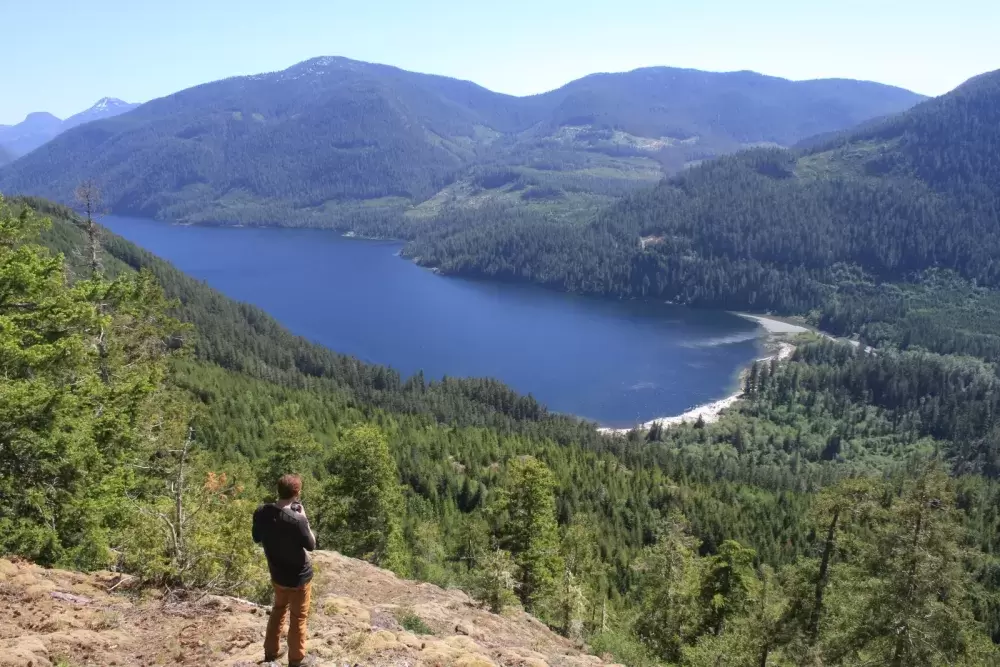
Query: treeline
{"x": 477, "y": 487}
{"x": 775, "y": 230}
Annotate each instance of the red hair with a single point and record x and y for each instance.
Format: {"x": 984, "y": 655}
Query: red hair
{"x": 289, "y": 486}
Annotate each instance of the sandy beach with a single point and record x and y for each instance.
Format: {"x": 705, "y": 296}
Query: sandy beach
{"x": 773, "y": 326}
{"x": 710, "y": 412}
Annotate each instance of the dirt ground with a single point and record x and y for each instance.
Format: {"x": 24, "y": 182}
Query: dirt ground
{"x": 55, "y": 618}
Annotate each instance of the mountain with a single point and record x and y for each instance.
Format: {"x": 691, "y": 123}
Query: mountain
{"x": 772, "y": 229}
{"x": 29, "y": 134}
{"x": 5, "y": 157}
{"x": 728, "y": 110}
{"x": 41, "y": 127}
{"x": 329, "y": 135}
{"x": 106, "y": 107}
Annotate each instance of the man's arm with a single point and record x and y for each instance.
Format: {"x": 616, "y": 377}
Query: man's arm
{"x": 258, "y": 536}
{"x": 308, "y": 537}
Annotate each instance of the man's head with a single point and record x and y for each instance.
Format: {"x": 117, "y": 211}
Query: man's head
{"x": 289, "y": 487}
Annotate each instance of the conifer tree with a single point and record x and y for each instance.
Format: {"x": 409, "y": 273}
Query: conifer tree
{"x": 526, "y": 505}
{"x": 362, "y": 505}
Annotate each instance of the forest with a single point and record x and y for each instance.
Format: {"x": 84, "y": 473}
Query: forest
{"x": 848, "y": 512}
{"x": 895, "y": 213}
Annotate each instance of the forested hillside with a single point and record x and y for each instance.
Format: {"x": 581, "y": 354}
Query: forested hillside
{"x": 913, "y": 200}
{"x": 330, "y": 140}
{"x": 775, "y": 536}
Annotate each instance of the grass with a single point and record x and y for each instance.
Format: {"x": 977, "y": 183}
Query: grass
{"x": 108, "y": 619}
{"x": 412, "y": 623}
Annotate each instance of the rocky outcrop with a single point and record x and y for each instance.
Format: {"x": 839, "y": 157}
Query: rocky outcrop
{"x": 69, "y": 619}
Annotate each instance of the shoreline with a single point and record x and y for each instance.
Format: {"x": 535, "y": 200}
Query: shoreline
{"x": 772, "y": 331}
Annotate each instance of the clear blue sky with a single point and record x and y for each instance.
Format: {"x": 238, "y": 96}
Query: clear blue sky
{"x": 62, "y": 55}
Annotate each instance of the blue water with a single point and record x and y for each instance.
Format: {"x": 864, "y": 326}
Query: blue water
{"x": 617, "y": 363}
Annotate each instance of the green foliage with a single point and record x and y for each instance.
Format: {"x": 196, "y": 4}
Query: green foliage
{"x": 82, "y": 367}
{"x": 431, "y": 478}
{"x": 413, "y": 623}
{"x": 580, "y": 597}
{"x": 362, "y": 503}
{"x": 528, "y": 529}
{"x": 902, "y": 595}
{"x": 494, "y": 580}
{"x": 293, "y": 450}
{"x": 668, "y": 604}
{"x": 49, "y": 456}
{"x": 728, "y": 585}
{"x": 189, "y": 525}
{"x": 623, "y": 648}
{"x": 824, "y": 229}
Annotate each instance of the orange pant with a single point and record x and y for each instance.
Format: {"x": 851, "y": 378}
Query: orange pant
{"x": 295, "y": 600}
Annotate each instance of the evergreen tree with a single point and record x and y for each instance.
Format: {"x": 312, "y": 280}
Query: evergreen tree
{"x": 668, "y": 610}
{"x": 905, "y": 598}
{"x": 526, "y": 505}
{"x": 362, "y": 503}
{"x": 293, "y": 449}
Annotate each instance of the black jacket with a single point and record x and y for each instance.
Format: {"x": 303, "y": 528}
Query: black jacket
{"x": 286, "y": 537}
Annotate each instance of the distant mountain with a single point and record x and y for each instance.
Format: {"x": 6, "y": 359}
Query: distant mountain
{"x": 728, "y": 110}
{"x": 39, "y": 127}
{"x": 106, "y": 107}
{"x": 5, "y": 157}
{"x": 772, "y": 229}
{"x": 331, "y": 133}
{"x": 29, "y": 134}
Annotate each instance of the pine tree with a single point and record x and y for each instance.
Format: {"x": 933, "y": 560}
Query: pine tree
{"x": 904, "y": 599}
{"x": 48, "y": 456}
{"x": 293, "y": 449}
{"x": 362, "y": 506}
{"x": 669, "y": 572}
{"x": 728, "y": 584}
{"x": 526, "y": 505}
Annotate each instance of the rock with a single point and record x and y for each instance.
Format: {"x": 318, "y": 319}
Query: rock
{"x": 24, "y": 652}
{"x": 52, "y": 613}
{"x": 335, "y": 605}
{"x": 69, "y": 597}
{"x": 382, "y": 640}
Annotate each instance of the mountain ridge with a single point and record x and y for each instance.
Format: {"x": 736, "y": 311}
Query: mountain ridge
{"x": 39, "y": 127}
{"x": 330, "y": 134}
{"x": 773, "y": 229}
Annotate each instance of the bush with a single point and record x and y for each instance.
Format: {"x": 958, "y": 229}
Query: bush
{"x": 413, "y": 623}
{"x": 493, "y": 581}
{"x": 213, "y": 550}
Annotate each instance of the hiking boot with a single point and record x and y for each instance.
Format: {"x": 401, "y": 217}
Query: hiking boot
{"x": 308, "y": 661}
{"x": 273, "y": 659}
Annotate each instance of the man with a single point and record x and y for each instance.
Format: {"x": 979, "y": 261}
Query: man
{"x": 283, "y": 529}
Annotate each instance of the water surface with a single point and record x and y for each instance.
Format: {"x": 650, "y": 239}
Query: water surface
{"x": 618, "y": 363}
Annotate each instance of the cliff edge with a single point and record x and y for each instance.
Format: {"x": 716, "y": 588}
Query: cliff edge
{"x": 57, "y": 618}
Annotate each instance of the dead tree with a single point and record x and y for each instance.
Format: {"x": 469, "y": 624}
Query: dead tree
{"x": 88, "y": 198}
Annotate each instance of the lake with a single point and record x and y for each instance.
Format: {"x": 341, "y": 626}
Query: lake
{"x": 617, "y": 363}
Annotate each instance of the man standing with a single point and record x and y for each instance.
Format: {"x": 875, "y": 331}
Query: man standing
{"x": 283, "y": 529}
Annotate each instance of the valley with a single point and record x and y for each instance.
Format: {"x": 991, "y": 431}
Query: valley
{"x": 536, "y": 373}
